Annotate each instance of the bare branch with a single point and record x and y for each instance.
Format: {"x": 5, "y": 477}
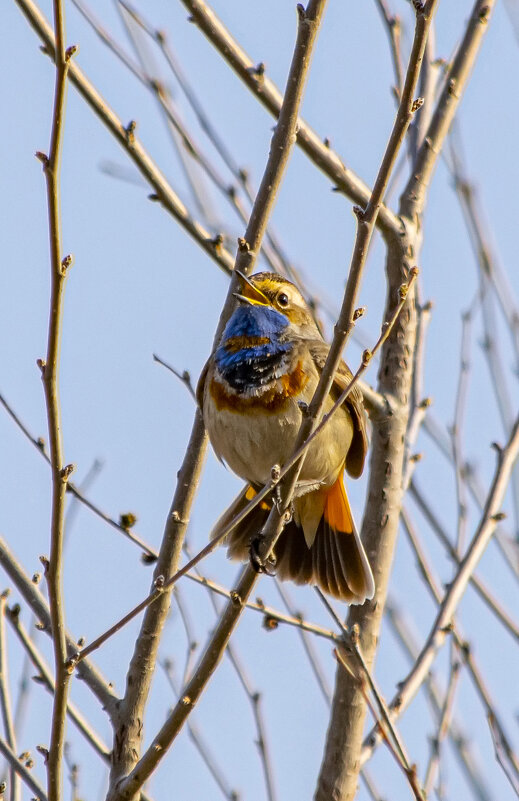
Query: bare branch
{"x": 267, "y": 93}
{"x": 34, "y": 599}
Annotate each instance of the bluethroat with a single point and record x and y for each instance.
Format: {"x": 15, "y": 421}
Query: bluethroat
{"x": 253, "y": 392}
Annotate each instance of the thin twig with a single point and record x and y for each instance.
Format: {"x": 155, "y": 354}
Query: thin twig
{"x": 75, "y": 491}
{"x": 199, "y": 742}
{"x": 36, "y": 602}
{"x": 128, "y": 772}
{"x": 468, "y": 761}
{"x": 5, "y": 699}
{"x": 50, "y": 374}
{"x": 310, "y": 652}
{"x": 125, "y": 136}
{"x": 482, "y": 590}
{"x": 25, "y": 774}
{"x": 253, "y": 696}
{"x": 318, "y": 150}
{"x": 474, "y": 551}
{"x": 350, "y": 656}
{"x": 380, "y": 526}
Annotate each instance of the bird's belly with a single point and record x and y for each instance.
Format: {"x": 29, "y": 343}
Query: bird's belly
{"x": 252, "y": 443}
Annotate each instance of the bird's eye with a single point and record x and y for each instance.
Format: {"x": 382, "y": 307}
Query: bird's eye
{"x": 282, "y": 299}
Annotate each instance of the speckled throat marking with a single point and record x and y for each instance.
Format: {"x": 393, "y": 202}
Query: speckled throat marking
{"x": 271, "y": 400}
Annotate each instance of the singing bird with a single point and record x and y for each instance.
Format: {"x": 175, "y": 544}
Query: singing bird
{"x": 253, "y": 392}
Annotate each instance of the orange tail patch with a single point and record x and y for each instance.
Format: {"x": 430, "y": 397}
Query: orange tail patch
{"x": 337, "y": 512}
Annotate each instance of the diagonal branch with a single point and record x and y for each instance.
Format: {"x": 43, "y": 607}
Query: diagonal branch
{"x": 267, "y": 93}
{"x": 125, "y": 136}
{"x": 339, "y": 770}
{"x": 129, "y": 774}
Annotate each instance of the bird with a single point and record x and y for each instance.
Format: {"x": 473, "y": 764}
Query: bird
{"x": 253, "y": 393}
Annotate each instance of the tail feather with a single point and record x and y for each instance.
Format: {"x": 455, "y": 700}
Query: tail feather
{"x": 336, "y": 560}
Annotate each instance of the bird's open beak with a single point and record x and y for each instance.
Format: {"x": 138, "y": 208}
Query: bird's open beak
{"x": 259, "y": 300}
{"x": 250, "y": 301}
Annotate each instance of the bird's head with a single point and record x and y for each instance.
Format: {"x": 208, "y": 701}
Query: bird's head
{"x": 275, "y": 292}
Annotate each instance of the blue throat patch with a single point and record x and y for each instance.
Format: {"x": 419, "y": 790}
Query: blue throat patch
{"x": 252, "y": 365}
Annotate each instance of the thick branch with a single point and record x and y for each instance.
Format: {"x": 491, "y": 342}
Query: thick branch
{"x": 341, "y": 762}
{"x": 129, "y": 731}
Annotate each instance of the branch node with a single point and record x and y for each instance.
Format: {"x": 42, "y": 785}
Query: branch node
{"x": 301, "y": 12}
{"x": 66, "y": 262}
{"x": 358, "y": 313}
{"x": 44, "y": 751}
{"x": 498, "y": 517}
{"x": 425, "y": 403}
{"x": 70, "y": 52}
{"x": 217, "y": 241}
{"x": 235, "y": 598}
{"x": 358, "y": 212}
{"x": 127, "y": 520}
{"x": 45, "y": 562}
{"x": 159, "y": 583}
{"x": 366, "y": 357}
{"x": 71, "y": 662}
{"x": 130, "y": 132}
{"x": 243, "y": 245}
{"x": 270, "y": 623}
{"x": 417, "y": 104}
{"x": 43, "y": 158}
{"x": 67, "y": 472}
{"x": 42, "y": 365}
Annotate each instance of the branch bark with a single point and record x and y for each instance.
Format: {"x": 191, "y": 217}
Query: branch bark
{"x": 128, "y": 774}
{"x": 341, "y": 761}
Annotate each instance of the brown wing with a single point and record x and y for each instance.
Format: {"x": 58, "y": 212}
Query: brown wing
{"x": 359, "y": 445}
{"x": 201, "y": 385}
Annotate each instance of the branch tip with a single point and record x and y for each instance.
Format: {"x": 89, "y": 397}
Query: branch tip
{"x": 66, "y": 472}
{"x": 45, "y": 562}
{"x": 66, "y": 262}
{"x": 70, "y": 52}
{"x": 130, "y": 132}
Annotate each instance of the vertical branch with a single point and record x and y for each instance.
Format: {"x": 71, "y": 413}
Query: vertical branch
{"x": 341, "y": 762}
{"x": 5, "y": 701}
{"x": 50, "y": 375}
{"x": 128, "y": 773}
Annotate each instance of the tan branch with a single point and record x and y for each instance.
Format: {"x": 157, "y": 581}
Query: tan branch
{"x": 339, "y": 771}
{"x": 22, "y": 771}
{"x": 50, "y": 375}
{"x": 128, "y": 774}
{"x": 5, "y": 699}
{"x": 125, "y": 136}
{"x": 269, "y": 95}
{"x": 35, "y": 600}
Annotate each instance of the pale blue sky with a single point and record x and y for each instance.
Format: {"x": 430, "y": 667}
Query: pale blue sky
{"x": 139, "y": 286}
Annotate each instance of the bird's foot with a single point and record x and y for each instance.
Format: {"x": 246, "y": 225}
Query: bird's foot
{"x": 257, "y": 560}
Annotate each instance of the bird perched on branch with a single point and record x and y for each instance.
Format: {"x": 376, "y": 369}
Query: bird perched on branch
{"x": 253, "y": 393}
